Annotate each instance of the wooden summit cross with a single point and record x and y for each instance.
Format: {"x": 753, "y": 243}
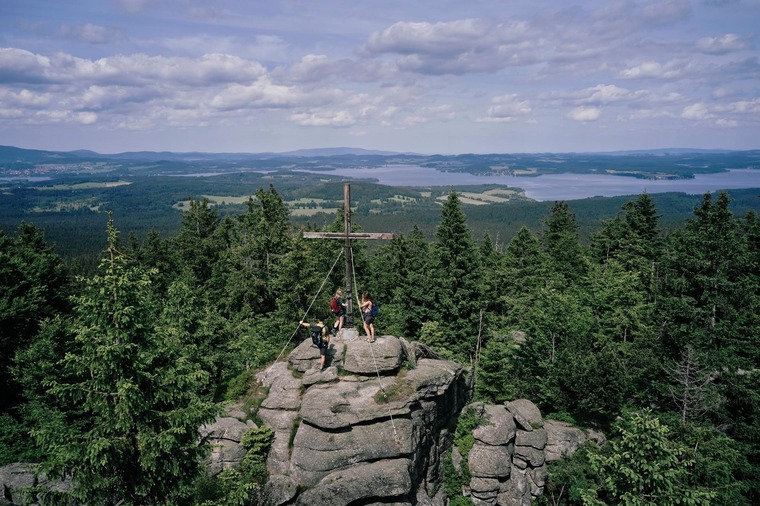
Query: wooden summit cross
{"x": 347, "y": 235}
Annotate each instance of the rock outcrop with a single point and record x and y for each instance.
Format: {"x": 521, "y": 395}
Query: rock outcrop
{"x": 362, "y": 430}
{"x": 376, "y": 427}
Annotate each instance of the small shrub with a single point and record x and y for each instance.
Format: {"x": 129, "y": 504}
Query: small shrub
{"x": 239, "y": 385}
{"x": 562, "y": 416}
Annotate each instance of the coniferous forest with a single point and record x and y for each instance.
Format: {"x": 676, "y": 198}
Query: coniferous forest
{"x": 650, "y": 336}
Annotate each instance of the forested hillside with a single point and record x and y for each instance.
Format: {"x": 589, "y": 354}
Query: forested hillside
{"x": 652, "y": 337}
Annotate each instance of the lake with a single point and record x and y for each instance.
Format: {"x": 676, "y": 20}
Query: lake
{"x": 556, "y": 186}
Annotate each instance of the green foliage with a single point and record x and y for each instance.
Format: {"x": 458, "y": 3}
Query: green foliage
{"x": 468, "y": 421}
{"x": 454, "y": 480}
{"x": 495, "y": 370}
{"x": 585, "y": 332}
{"x": 128, "y": 399}
{"x": 32, "y": 288}
{"x": 241, "y": 485}
{"x": 15, "y": 444}
{"x": 568, "y": 478}
{"x": 562, "y": 244}
{"x": 643, "y": 466}
{"x": 458, "y": 286}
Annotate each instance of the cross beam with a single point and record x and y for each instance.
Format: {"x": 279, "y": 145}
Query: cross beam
{"x": 347, "y": 235}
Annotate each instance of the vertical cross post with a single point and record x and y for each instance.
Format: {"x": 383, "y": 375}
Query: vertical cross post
{"x": 347, "y": 236}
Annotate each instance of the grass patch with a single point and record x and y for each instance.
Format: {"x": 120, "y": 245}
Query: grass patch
{"x": 397, "y": 391}
{"x": 253, "y": 399}
{"x": 293, "y": 431}
{"x": 83, "y": 186}
{"x": 492, "y": 196}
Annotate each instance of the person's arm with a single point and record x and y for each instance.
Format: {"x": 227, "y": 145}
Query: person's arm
{"x": 305, "y": 324}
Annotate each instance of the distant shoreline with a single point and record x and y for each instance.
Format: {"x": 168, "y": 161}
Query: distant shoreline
{"x": 547, "y": 187}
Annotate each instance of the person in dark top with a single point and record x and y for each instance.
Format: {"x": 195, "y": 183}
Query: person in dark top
{"x": 320, "y": 338}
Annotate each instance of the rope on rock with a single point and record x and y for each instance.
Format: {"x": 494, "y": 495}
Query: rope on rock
{"x": 372, "y": 352}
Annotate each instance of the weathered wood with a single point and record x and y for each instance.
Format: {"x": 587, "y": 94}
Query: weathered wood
{"x": 347, "y": 235}
{"x": 352, "y": 235}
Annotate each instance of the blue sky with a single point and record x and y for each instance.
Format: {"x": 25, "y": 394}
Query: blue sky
{"x": 477, "y": 76}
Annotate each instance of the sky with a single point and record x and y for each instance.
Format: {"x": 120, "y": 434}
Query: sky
{"x": 448, "y": 77}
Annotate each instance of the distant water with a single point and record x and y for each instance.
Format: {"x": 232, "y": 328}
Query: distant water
{"x": 556, "y": 186}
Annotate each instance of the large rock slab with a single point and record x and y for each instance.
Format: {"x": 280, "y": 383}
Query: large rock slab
{"x": 433, "y": 378}
{"x": 279, "y": 490}
{"x": 225, "y": 435}
{"x": 527, "y": 414}
{"x": 383, "y": 356}
{"x": 15, "y": 478}
{"x": 342, "y": 405}
{"x": 385, "y": 479}
{"x": 284, "y": 393}
{"x": 535, "y": 439}
{"x": 516, "y": 490}
{"x": 485, "y": 461}
{"x": 317, "y": 453}
{"x": 306, "y": 355}
{"x": 267, "y": 376}
{"x": 499, "y": 427}
{"x": 314, "y": 376}
{"x": 564, "y": 438}
{"x": 283, "y": 423}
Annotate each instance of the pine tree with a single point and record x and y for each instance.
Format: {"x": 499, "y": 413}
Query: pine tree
{"x": 32, "y": 288}
{"x": 401, "y": 271}
{"x": 522, "y": 274}
{"x": 257, "y": 240}
{"x": 197, "y": 245}
{"x": 127, "y": 400}
{"x": 708, "y": 299}
{"x": 458, "y": 284}
{"x": 560, "y": 241}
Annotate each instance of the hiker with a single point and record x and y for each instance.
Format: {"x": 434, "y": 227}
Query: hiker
{"x": 369, "y": 312}
{"x": 338, "y": 307}
{"x": 319, "y": 338}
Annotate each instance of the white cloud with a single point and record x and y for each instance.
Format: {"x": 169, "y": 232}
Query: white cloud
{"x": 584, "y": 114}
{"x": 506, "y": 108}
{"x": 747, "y": 106}
{"x": 23, "y": 98}
{"x": 607, "y": 93}
{"x": 429, "y": 38}
{"x": 86, "y": 118}
{"x": 324, "y": 118}
{"x": 262, "y": 93}
{"x": 654, "y": 70}
{"x": 727, "y": 43}
{"x": 697, "y": 111}
{"x": 727, "y": 123}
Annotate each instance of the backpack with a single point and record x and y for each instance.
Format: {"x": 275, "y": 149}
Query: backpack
{"x": 334, "y": 305}
{"x": 374, "y": 310}
{"x": 316, "y": 335}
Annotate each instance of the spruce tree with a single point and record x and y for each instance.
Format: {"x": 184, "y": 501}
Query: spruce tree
{"x": 127, "y": 398}
{"x": 32, "y": 287}
{"x": 562, "y": 244}
{"x": 458, "y": 285}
